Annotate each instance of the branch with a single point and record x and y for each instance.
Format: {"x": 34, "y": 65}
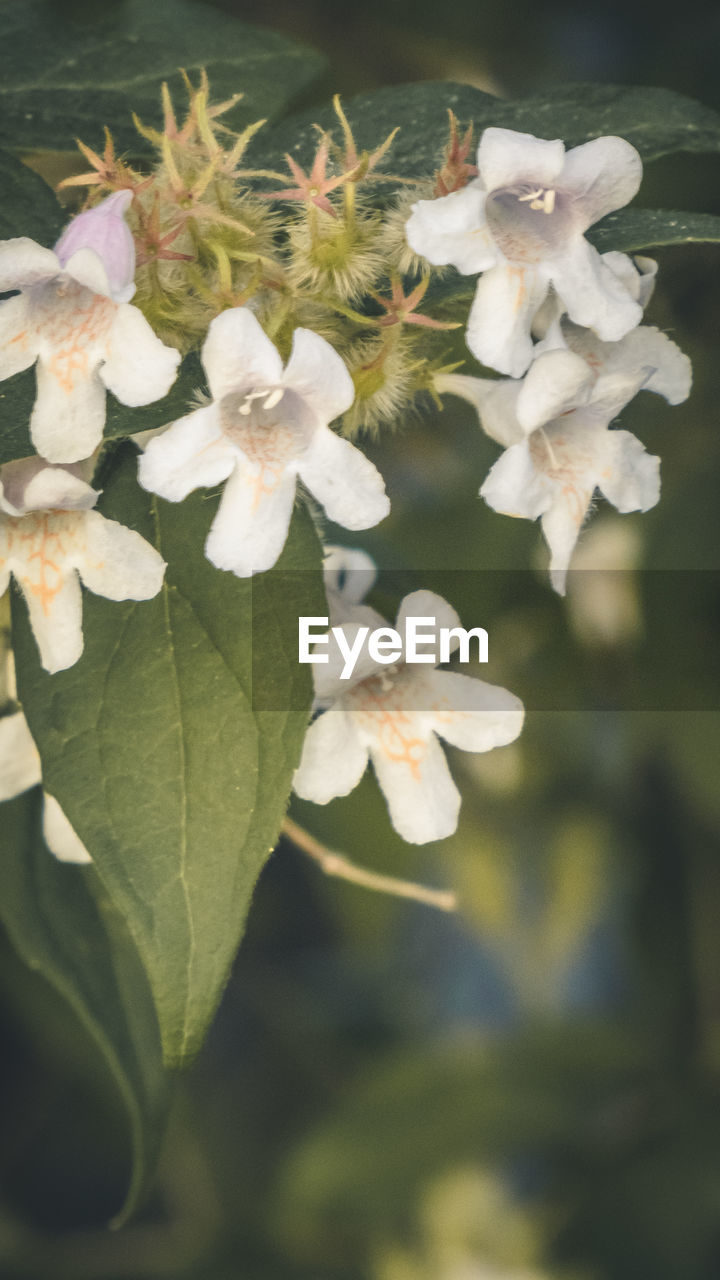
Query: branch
{"x": 336, "y": 864}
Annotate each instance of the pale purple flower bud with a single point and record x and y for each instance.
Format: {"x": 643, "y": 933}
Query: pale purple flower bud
{"x": 104, "y": 230}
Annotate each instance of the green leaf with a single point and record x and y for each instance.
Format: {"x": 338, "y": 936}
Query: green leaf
{"x": 174, "y": 776}
{"x": 632, "y": 229}
{"x": 65, "y": 71}
{"x": 64, "y": 927}
{"x": 656, "y": 121}
{"x": 29, "y": 207}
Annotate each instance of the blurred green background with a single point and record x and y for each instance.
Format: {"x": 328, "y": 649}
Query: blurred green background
{"x": 529, "y": 1089}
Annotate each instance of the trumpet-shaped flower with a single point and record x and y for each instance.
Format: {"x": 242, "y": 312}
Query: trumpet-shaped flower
{"x": 394, "y": 715}
{"x": 556, "y": 424}
{"x": 86, "y": 342}
{"x": 522, "y": 224}
{"x": 51, "y": 540}
{"x": 266, "y": 426}
{"x": 20, "y": 769}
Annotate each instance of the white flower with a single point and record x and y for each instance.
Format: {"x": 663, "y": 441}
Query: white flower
{"x": 394, "y": 715}
{"x": 19, "y": 770}
{"x": 522, "y": 223}
{"x": 637, "y": 274}
{"x": 50, "y": 540}
{"x": 349, "y": 574}
{"x": 85, "y": 343}
{"x": 266, "y": 426}
{"x": 556, "y": 424}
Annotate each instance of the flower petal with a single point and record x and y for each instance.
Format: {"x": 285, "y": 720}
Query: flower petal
{"x": 333, "y": 758}
{"x": 138, "y": 368}
{"x": 18, "y": 344}
{"x": 192, "y": 454}
{"x": 592, "y": 293}
{"x": 647, "y": 348}
{"x": 23, "y": 263}
{"x": 473, "y": 715}
{"x": 119, "y": 563}
{"x": 506, "y": 157}
{"x": 30, "y": 484}
{"x": 601, "y": 175}
{"x": 632, "y": 481}
{"x": 498, "y": 331}
{"x": 515, "y": 487}
{"x": 57, "y": 622}
{"x": 426, "y": 604}
{"x": 68, "y": 417}
{"x": 452, "y": 231}
{"x": 423, "y": 800}
{"x": 636, "y": 273}
{"x": 555, "y": 382}
{"x": 88, "y": 269}
{"x": 238, "y": 353}
{"x": 344, "y": 481}
{"x": 61, "y": 839}
{"x": 561, "y": 526}
{"x": 319, "y": 375}
{"x": 252, "y": 522}
{"x": 19, "y": 759}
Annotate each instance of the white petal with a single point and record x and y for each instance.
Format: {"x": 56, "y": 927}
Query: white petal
{"x": 632, "y": 481}
{"x": 67, "y": 421}
{"x": 498, "y": 331}
{"x": 333, "y": 758}
{"x": 426, "y": 604}
{"x": 19, "y": 759}
{"x": 473, "y": 715}
{"x": 636, "y": 273}
{"x": 319, "y": 375}
{"x": 561, "y": 526}
{"x": 119, "y": 563}
{"x": 601, "y": 175}
{"x": 23, "y": 263}
{"x": 138, "y": 367}
{"x": 451, "y": 231}
{"x": 238, "y": 353}
{"x": 252, "y": 522}
{"x": 648, "y": 348}
{"x": 515, "y": 487}
{"x": 555, "y": 382}
{"x": 328, "y": 676}
{"x": 344, "y": 481}
{"x": 422, "y": 798}
{"x": 54, "y": 488}
{"x": 18, "y": 345}
{"x": 87, "y": 267}
{"x": 349, "y": 573}
{"x": 57, "y": 623}
{"x": 593, "y": 295}
{"x": 506, "y": 157}
{"x": 61, "y": 839}
{"x": 192, "y": 454}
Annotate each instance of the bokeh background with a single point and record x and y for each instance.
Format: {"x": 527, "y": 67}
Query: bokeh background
{"x": 529, "y": 1088}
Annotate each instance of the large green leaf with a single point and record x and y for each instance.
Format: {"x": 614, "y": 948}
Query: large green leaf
{"x": 634, "y": 229}
{"x": 656, "y": 121}
{"x": 28, "y": 207}
{"x": 172, "y": 775}
{"x": 67, "y": 70}
{"x": 63, "y": 926}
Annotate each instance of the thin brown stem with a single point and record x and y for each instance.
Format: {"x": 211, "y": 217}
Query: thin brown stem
{"x": 336, "y": 864}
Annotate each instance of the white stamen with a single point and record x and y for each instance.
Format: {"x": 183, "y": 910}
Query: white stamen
{"x": 549, "y": 201}
{"x": 531, "y": 195}
{"x": 274, "y": 398}
{"x": 245, "y": 408}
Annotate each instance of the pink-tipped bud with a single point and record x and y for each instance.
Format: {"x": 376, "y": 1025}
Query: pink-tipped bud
{"x": 104, "y": 230}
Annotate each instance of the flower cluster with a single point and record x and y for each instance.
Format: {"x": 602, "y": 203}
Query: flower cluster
{"x": 309, "y": 329}
{"x": 561, "y": 320}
